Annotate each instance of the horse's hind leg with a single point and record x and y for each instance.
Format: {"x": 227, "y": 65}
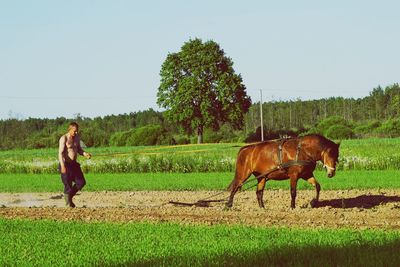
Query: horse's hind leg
{"x": 233, "y": 192}
{"x": 236, "y": 184}
{"x": 314, "y": 182}
{"x": 260, "y": 191}
{"x": 293, "y": 190}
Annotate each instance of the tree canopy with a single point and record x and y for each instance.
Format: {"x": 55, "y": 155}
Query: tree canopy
{"x": 199, "y": 88}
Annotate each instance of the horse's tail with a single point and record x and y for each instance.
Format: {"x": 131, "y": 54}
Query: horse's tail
{"x": 241, "y": 168}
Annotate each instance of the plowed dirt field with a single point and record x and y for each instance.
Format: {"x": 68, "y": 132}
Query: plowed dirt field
{"x": 347, "y": 208}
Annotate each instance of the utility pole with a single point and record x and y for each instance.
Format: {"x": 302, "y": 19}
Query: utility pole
{"x": 261, "y": 117}
{"x": 290, "y": 114}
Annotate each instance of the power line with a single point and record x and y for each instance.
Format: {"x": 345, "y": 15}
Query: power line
{"x": 74, "y": 98}
{"x": 286, "y": 91}
{"x": 261, "y": 115}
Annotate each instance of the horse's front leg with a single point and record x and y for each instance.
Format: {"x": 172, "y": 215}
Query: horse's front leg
{"x": 314, "y": 182}
{"x": 293, "y": 189}
{"x": 260, "y": 191}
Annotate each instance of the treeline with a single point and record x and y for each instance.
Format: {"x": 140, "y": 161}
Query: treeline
{"x": 380, "y": 105}
{"x": 377, "y": 114}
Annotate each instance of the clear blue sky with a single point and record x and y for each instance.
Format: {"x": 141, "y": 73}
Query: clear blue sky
{"x": 96, "y": 58}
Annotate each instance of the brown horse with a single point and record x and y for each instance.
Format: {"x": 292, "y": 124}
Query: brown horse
{"x": 283, "y": 159}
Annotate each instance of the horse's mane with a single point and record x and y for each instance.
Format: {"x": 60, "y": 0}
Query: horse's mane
{"x": 324, "y": 142}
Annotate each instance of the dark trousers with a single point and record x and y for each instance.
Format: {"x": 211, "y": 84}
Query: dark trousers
{"x": 73, "y": 179}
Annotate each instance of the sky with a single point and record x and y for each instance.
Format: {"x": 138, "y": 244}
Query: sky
{"x": 98, "y": 58}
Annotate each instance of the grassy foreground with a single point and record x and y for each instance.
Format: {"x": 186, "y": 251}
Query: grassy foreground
{"x": 389, "y": 179}
{"x": 48, "y": 243}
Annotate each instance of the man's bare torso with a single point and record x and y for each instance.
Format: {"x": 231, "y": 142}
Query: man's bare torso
{"x": 70, "y": 147}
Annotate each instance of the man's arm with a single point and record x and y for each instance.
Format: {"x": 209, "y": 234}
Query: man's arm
{"x": 61, "y": 147}
{"x": 80, "y": 150}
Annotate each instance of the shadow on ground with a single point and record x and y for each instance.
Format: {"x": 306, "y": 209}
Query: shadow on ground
{"x": 363, "y": 201}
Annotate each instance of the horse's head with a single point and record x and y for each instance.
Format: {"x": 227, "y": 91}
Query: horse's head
{"x": 330, "y": 157}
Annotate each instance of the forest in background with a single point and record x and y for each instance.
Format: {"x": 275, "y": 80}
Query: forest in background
{"x": 376, "y": 115}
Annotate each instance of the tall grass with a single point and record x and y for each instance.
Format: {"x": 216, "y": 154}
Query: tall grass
{"x": 366, "y": 154}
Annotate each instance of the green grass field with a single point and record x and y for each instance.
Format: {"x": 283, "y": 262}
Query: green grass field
{"x": 364, "y": 164}
{"x": 192, "y": 181}
{"x": 48, "y": 243}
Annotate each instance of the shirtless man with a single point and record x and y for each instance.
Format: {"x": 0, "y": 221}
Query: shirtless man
{"x": 71, "y": 173}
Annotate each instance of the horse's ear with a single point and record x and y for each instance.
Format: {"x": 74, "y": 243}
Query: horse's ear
{"x": 338, "y": 144}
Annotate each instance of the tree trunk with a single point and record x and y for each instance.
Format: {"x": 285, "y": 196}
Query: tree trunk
{"x": 200, "y": 134}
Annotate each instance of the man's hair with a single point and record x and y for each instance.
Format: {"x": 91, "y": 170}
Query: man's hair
{"x": 73, "y": 124}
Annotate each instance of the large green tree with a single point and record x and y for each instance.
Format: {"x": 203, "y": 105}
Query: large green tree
{"x": 199, "y": 88}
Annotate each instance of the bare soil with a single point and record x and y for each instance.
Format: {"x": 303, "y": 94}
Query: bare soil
{"x": 346, "y": 208}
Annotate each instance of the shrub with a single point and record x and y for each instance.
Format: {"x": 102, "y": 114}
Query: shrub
{"x": 166, "y": 139}
{"x": 225, "y": 134}
{"x": 210, "y": 136}
{"x": 368, "y": 129}
{"x": 94, "y": 137}
{"x": 323, "y": 127}
{"x": 325, "y": 124}
{"x": 389, "y": 128}
{"x": 145, "y": 136}
{"x": 119, "y": 138}
{"x": 339, "y": 132}
{"x": 181, "y": 140}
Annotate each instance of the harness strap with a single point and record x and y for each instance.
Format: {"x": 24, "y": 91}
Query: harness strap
{"x": 282, "y": 165}
{"x": 298, "y": 150}
{"x": 280, "y": 152}
{"x": 297, "y": 163}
